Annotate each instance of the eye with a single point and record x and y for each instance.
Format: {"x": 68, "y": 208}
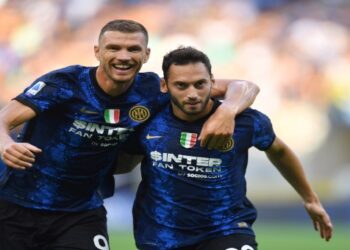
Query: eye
{"x": 135, "y": 49}
{"x": 200, "y": 84}
{"x": 181, "y": 85}
{"x": 112, "y": 48}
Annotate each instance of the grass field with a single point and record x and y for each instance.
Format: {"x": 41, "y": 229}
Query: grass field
{"x": 270, "y": 237}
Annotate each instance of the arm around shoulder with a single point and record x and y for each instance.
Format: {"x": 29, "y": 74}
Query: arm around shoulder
{"x": 239, "y": 95}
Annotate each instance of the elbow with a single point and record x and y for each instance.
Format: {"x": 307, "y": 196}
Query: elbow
{"x": 250, "y": 88}
{"x": 255, "y": 89}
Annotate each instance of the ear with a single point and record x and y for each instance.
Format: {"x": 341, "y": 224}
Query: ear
{"x": 148, "y": 52}
{"x": 96, "y": 51}
{"x": 163, "y": 86}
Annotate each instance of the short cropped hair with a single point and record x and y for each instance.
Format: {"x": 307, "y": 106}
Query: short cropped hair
{"x": 125, "y": 26}
{"x": 183, "y": 56}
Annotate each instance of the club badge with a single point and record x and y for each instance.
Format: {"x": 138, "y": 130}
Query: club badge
{"x": 228, "y": 146}
{"x": 139, "y": 113}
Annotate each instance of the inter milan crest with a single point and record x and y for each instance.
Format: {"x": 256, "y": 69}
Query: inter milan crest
{"x": 112, "y": 115}
{"x": 139, "y": 113}
{"x": 228, "y": 146}
{"x": 188, "y": 140}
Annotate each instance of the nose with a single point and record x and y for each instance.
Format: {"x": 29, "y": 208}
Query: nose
{"x": 123, "y": 55}
{"x": 192, "y": 93}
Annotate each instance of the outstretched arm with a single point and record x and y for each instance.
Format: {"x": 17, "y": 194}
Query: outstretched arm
{"x": 239, "y": 95}
{"x": 13, "y": 154}
{"x": 290, "y": 167}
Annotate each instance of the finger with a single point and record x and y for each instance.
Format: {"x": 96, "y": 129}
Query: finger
{"x": 32, "y": 148}
{"x": 18, "y": 150}
{"x": 13, "y": 161}
{"x": 12, "y": 165}
{"x": 325, "y": 232}
{"x": 212, "y": 143}
{"x": 315, "y": 225}
{"x": 25, "y": 155}
{"x": 221, "y": 141}
{"x": 203, "y": 134}
{"x": 328, "y": 233}
{"x": 15, "y": 166}
{"x": 321, "y": 230}
{"x": 204, "y": 141}
{"x": 327, "y": 228}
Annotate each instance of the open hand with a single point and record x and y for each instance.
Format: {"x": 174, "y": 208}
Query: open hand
{"x": 320, "y": 219}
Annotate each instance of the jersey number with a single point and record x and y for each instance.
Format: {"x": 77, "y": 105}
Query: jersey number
{"x": 245, "y": 247}
{"x": 98, "y": 239}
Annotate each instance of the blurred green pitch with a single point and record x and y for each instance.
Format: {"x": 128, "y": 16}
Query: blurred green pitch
{"x": 270, "y": 237}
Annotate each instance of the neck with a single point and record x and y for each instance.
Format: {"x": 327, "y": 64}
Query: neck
{"x": 110, "y": 87}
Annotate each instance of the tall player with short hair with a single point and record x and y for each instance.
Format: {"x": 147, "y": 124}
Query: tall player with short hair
{"x": 75, "y": 120}
{"x": 192, "y": 198}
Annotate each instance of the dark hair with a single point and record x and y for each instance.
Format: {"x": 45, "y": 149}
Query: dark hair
{"x": 183, "y": 56}
{"x": 126, "y": 26}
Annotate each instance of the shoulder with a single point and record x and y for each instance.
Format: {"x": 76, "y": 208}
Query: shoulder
{"x": 252, "y": 114}
{"x": 147, "y": 80}
{"x": 147, "y": 87}
{"x": 149, "y": 76}
{"x": 252, "y": 118}
{"x": 64, "y": 77}
{"x": 162, "y": 118}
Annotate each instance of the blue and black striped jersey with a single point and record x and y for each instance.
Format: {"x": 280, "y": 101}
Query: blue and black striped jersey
{"x": 189, "y": 194}
{"x": 79, "y": 129}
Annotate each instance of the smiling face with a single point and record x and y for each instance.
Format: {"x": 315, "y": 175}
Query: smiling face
{"x": 189, "y": 86}
{"x": 121, "y": 56}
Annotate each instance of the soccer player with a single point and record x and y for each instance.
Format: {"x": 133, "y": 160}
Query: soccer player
{"x": 75, "y": 120}
{"x": 194, "y": 198}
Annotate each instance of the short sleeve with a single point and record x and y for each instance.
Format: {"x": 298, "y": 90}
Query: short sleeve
{"x": 44, "y": 94}
{"x": 263, "y": 135}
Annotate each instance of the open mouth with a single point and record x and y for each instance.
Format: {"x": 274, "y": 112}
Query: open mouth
{"x": 122, "y": 67}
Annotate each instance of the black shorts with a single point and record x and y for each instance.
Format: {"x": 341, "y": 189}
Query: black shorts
{"x": 32, "y": 229}
{"x": 229, "y": 242}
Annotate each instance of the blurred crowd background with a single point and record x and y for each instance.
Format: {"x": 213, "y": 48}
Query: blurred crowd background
{"x": 298, "y": 52}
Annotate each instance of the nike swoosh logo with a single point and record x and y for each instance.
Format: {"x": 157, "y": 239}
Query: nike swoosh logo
{"x": 148, "y": 137}
{"x": 89, "y": 112}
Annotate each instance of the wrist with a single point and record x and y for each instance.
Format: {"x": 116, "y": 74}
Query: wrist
{"x": 229, "y": 109}
{"x": 311, "y": 198}
{"x": 4, "y": 144}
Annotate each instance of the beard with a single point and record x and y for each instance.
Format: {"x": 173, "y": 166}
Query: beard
{"x": 204, "y": 104}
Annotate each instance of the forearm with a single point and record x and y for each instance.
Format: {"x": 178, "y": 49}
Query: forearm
{"x": 291, "y": 169}
{"x": 4, "y": 136}
{"x": 238, "y": 94}
{"x": 11, "y": 116}
{"x": 5, "y": 127}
